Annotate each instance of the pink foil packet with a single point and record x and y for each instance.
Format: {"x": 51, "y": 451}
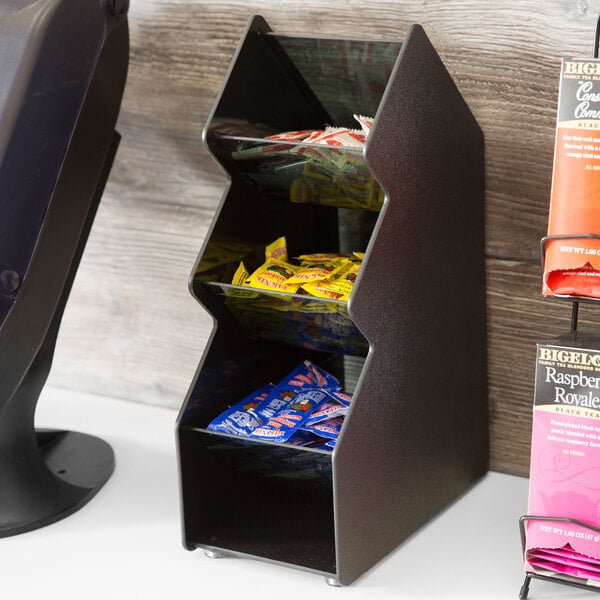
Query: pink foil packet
{"x": 565, "y": 561}
{"x": 566, "y": 558}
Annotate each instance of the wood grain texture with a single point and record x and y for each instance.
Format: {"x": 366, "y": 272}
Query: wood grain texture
{"x": 131, "y": 328}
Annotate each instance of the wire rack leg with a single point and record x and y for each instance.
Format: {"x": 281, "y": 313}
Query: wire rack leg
{"x": 525, "y": 588}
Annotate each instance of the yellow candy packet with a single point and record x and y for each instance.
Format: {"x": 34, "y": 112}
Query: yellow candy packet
{"x": 338, "y": 179}
{"x": 320, "y": 274}
{"x": 339, "y": 286}
{"x": 316, "y": 271}
{"x": 322, "y": 257}
{"x": 240, "y": 275}
{"x": 344, "y": 278}
{"x": 273, "y": 275}
{"x": 321, "y": 289}
{"x": 277, "y": 250}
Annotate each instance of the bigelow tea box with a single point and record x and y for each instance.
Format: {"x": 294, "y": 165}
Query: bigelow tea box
{"x": 565, "y": 457}
{"x": 572, "y": 265}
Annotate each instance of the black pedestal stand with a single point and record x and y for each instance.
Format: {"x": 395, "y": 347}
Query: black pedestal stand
{"x": 58, "y": 140}
{"x": 46, "y": 475}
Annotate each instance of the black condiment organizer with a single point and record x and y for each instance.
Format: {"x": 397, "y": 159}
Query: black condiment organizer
{"x": 415, "y": 357}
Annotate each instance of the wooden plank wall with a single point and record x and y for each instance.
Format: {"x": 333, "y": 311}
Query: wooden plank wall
{"x": 131, "y": 328}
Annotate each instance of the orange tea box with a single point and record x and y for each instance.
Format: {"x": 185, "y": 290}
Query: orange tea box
{"x": 572, "y": 262}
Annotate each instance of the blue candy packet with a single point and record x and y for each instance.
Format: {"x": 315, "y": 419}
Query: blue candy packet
{"x": 258, "y": 408}
{"x": 305, "y": 376}
{"x": 303, "y": 438}
{"x": 342, "y": 397}
{"x": 282, "y": 425}
{"x": 308, "y": 375}
{"x": 329, "y": 445}
{"x": 334, "y": 407}
{"x": 329, "y": 429}
{"x": 240, "y": 418}
{"x": 275, "y": 401}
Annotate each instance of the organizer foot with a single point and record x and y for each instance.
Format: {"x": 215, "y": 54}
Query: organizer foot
{"x": 214, "y": 553}
{"x": 525, "y": 588}
{"x": 332, "y": 581}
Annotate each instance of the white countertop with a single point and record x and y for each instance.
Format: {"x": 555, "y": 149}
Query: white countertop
{"x": 126, "y": 542}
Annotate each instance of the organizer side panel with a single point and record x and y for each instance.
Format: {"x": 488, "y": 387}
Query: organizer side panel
{"x": 418, "y": 433}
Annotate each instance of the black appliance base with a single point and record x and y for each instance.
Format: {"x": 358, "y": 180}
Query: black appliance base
{"x": 68, "y": 471}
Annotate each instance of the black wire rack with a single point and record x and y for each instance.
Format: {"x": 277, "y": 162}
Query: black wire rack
{"x": 575, "y": 300}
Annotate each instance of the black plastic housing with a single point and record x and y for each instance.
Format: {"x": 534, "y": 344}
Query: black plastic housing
{"x": 415, "y": 356}
{"x": 63, "y": 66}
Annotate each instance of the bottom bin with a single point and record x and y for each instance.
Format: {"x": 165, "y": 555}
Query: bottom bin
{"x": 264, "y": 500}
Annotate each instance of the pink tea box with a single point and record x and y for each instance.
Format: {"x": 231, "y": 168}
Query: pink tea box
{"x": 565, "y": 460}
